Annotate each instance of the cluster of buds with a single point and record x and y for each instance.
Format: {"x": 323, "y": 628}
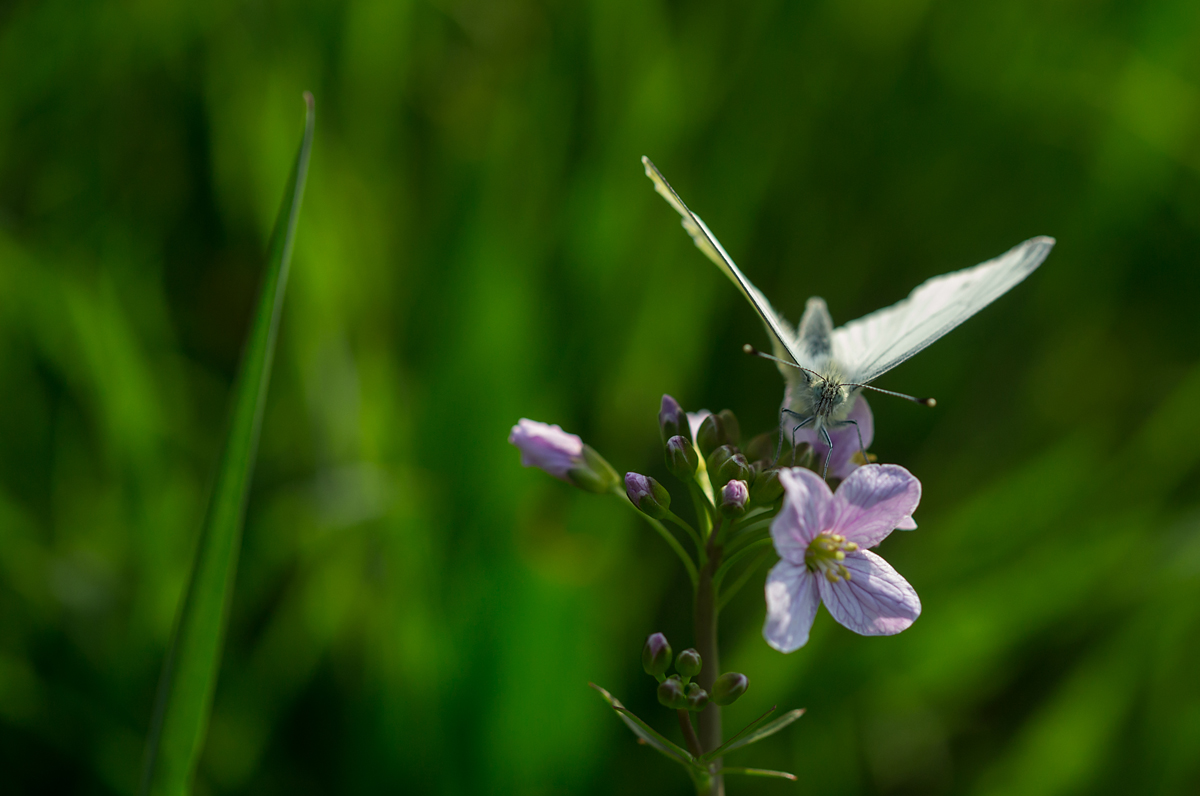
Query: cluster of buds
{"x": 676, "y": 691}
{"x": 703, "y": 448}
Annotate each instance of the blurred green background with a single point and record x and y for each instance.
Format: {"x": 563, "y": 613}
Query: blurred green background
{"x": 415, "y": 612}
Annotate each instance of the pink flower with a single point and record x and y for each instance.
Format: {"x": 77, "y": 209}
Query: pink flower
{"x": 821, "y": 538}
{"x": 846, "y": 446}
{"x": 548, "y": 447}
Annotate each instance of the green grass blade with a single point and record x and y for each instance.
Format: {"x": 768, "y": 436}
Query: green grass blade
{"x": 189, "y": 672}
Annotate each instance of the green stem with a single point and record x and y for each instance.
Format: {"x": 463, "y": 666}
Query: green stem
{"x": 667, "y": 536}
{"x": 743, "y": 579}
{"x": 745, "y": 540}
{"x": 689, "y": 732}
{"x": 704, "y": 509}
{"x": 675, "y": 518}
{"x": 706, "y": 612}
{"x": 733, "y": 558}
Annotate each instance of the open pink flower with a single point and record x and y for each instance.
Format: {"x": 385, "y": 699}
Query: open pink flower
{"x": 821, "y": 538}
{"x": 846, "y": 445}
{"x": 548, "y": 447}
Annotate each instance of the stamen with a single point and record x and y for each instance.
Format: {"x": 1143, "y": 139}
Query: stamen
{"x": 826, "y": 553}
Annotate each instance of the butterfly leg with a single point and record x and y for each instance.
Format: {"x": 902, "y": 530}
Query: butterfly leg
{"x": 803, "y": 422}
{"x": 828, "y": 456}
{"x": 858, "y": 431}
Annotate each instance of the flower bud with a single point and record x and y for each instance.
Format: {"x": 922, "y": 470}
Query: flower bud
{"x": 547, "y": 447}
{"x": 682, "y": 459}
{"x": 803, "y": 456}
{"x": 710, "y": 435}
{"x": 766, "y": 489}
{"x": 716, "y": 458}
{"x": 656, "y": 655}
{"x": 734, "y": 497}
{"x": 648, "y": 495}
{"x": 593, "y": 474}
{"x": 688, "y": 663}
{"x": 725, "y": 465}
{"x": 697, "y": 697}
{"x": 671, "y": 694}
{"x": 729, "y": 687}
{"x": 762, "y": 448}
{"x": 729, "y": 424}
{"x": 672, "y": 420}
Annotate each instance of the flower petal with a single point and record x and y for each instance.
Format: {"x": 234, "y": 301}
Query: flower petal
{"x": 695, "y": 419}
{"x": 546, "y": 446}
{"x": 873, "y": 501}
{"x": 805, "y": 513}
{"x": 792, "y": 602}
{"x": 845, "y": 440}
{"x": 906, "y": 524}
{"x": 876, "y": 601}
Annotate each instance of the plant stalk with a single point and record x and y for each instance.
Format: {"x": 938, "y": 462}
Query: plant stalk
{"x": 706, "y": 644}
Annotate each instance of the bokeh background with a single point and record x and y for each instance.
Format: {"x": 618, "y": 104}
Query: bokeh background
{"x": 415, "y": 612}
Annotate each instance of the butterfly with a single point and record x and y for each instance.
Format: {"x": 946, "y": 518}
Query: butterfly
{"x": 826, "y": 367}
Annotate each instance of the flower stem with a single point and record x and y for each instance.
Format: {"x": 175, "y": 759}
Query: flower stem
{"x": 706, "y": 645}
{"x": 667, "y": 536}
{"x": 689, "y": 732}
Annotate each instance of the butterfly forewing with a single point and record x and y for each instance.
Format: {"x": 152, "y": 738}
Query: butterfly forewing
{"x": 865, "y": 349}
{"x": 781, "y": 333}
{"x": 876, "y": 343}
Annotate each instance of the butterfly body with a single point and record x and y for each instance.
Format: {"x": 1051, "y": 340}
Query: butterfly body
{"x": 825, "y": 367}
{"x": 817, "y": 388}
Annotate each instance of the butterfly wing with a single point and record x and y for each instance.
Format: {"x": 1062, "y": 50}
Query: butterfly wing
{"x": 782, "y": 336}
{"x": 876, "y": 343}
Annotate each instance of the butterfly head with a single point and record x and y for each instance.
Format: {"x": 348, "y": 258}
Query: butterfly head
{"x": 810, "y": 394}
{"x": 830, "y": 398}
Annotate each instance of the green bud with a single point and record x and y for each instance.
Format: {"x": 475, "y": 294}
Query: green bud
{"x": 594, "y": 474}
{"x": 656, "y": 655}
{"x": 672, "y": 420}
{"x": 762, "y": 447}
{"x": 766, "y": 489}
{"x": 682, "y": 459}
{"x": 803, "y": 456}
{"x": 688, "y": 663}
{"x": 729, "y": 687}
{"x": 734, "y": 468}
{"x": 710, "y": 435}
{"x": 697, "y": 697}
{"x": 729, "y": 423}
{"x": 715, "y": 459}
{"x": 671, "y": 694}
{"x": 648, "y": 495}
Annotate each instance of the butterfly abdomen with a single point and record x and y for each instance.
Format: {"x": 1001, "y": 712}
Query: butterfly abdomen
{"x": 815, "y": 335}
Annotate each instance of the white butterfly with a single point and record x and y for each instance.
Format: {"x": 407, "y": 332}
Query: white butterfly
{"x": 826, "y": 367}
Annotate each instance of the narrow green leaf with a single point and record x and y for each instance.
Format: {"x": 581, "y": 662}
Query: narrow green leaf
{"x": 189, "y": 673}
{"x": 755, "y": 731}
{"x": 760, "y": 772}
{"x": 647, "y": 734}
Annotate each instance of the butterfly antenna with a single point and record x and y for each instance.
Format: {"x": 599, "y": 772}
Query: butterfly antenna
{"x": 754, "y": 352}
{"x": 922, "y": 401}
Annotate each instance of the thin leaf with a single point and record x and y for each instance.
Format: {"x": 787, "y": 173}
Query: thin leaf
{"x": 189, "y": 673}
{"x": 760, "y": 772}
{"x": 753, "y": 733}
{"x": 645, "y": 733}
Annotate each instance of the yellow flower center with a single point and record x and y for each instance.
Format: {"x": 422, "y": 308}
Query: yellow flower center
{"x": 826, "y": 553}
